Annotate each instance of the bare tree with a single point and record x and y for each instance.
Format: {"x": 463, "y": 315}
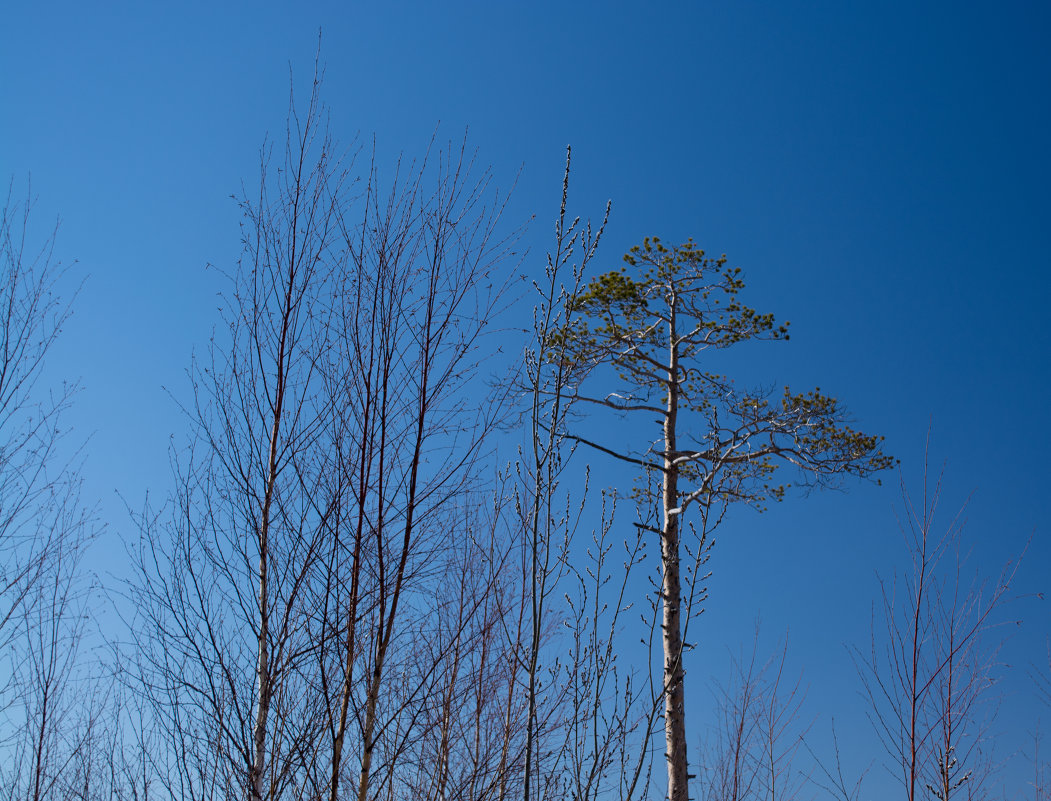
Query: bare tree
{"x": 66, "y": 699}
{"x": 414, "y": 300}
{"x": 614, "y": 711}
{"x": 35, "y": 477}
{"x": 589, "y": 717}
{"x": 929, "y": 671}
{"x": 832, "y": 779}
{"x": 1040, "y": 784}
{"x": 224, "y": 576}
{"x": 547, "y": 531}
{"x": 758, "y": 732}
{"x": 649, "y": 331}
{"x": 51, "y": 698}
{"x": 297, "y": 592}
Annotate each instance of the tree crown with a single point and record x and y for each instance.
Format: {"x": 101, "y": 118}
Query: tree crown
{"x": 650, "y": 321}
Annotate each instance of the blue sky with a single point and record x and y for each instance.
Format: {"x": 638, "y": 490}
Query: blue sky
{"x": 878, "y": 170}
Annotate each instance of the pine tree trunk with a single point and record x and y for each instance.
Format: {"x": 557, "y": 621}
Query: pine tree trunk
{"x": 674, "y": 716}
{"x": 674, "y": 719}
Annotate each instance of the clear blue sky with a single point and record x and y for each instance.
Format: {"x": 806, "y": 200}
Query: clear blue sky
{"x": 880, "y": 171}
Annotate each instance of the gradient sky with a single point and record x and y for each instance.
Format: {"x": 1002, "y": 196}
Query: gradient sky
{"x": 880, "y": 171}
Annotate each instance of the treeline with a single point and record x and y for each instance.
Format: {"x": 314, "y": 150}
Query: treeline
{"x": 349, "y": 595}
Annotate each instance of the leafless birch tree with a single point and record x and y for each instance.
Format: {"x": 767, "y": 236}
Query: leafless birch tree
{"x": 414, "y": 298}
{"x": 758, "y": 732}
{"x": 929, "y": 670}
{"x": 35, "y": 479}
{"x": 296, "y": 594}
{"x": 51, "y": 700}
{"x": 223, "y": 591}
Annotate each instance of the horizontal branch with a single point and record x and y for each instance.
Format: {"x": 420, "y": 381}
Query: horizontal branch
{"x": 620, "y": 407}
{"x": 621, "y": 456}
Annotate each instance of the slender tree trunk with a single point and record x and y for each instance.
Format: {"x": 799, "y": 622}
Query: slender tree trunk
{"x": 264, "y": 678}
{"x": 349, "y": 656}
{"x": 386, "y": 620}
{"x": 264, "y": 683}
{"x": 351, "y": 618}
{"x": 674, "y": 717}
{"x": 914, "y": 678}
